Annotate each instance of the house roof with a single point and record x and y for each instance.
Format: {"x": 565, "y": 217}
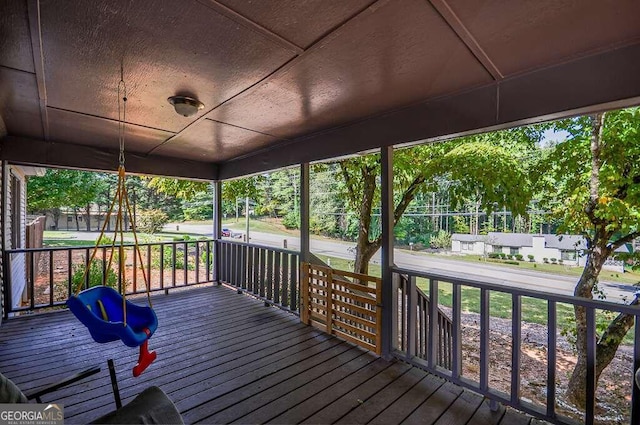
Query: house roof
{"x": 510, "y": 239}
{"x": 565, "y": 242}
{"x": 297, "y": 80}
{"x": 468, "y": 238}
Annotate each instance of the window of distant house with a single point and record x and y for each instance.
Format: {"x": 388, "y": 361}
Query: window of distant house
{"x": 467, "y": 246}
{"x": 514, "y": 250}
{"x": 497, "y": 248}
{"x": 16, "y": 213}
{"x": 568, "y": 255}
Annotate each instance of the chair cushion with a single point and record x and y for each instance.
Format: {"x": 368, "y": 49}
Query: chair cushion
{"x": 9, "y": 392}
{"x": 152, "y": 406}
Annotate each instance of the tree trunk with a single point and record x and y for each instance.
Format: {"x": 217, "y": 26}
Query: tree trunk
{"x": 75, "y": 215}
{"x": 88, "y": 214}
{"x": 607, "y": 344}
{"x": 365, "y": 248}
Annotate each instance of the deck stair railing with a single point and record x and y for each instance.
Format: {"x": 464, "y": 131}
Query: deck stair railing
{"x": 413, "y": 338}
{"x": 268, "y": 273}
{"x": 48, "y": 274}
{"x": 417, "y": 340}
{"x": 342, "y": 303}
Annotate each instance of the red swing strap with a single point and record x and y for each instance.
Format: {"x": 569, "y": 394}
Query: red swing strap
{"x": 145, "y": 358}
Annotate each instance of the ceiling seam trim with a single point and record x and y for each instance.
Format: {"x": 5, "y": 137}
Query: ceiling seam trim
{"x": 35, "y": 32}
{"x": 456, "y": 25}
{"x": 281, "y": 69}
{"x": 238, "y": 18}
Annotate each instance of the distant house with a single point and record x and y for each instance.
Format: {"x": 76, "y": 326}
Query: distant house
{"x": 568, "y": 248}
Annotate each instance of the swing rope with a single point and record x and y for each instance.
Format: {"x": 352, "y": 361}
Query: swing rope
{"x": 122, "y": 199}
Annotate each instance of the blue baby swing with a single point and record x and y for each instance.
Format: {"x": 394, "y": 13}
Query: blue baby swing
{"x": 104, "y": 311}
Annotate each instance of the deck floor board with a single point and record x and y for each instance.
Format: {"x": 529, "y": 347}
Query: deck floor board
{"x": 224, "y": 357}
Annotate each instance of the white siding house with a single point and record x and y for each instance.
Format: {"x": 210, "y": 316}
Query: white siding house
{"x": 568, "y": 248}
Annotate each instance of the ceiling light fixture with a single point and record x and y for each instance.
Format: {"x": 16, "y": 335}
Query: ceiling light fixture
{"x": 186, "y": 106}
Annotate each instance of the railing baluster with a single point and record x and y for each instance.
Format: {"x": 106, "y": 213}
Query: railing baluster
{"x": 50, "y": 278}
{"x": 411, "y": 317}
{"x": 173, "y": 264}
{"x": 185, "y": 260}
{"x": 104, "y": 266}
{"x": 32, "y": 280}
{"x": 207, "y": 246}
{"x": 395, "y": 282}
{"x": 161, "y": 266}
{"x": 245, "y": 266}
{"x": 197, "y": 280}
{"x": 270, "y": 274}
{"x": 591, "y": 367}
{"x": 262, "y": 270}
{"x": 135, "y": 272}
{"x": 551, "y": 357}
{"x": 285, "y": 280}
{"x": 433, "y": 322}
{"x": 276, "y": 278}
{"x": 516, "y": 339}
{"x": 70, "y": 270}
{"x": 86, "y": 265}
{"x": 635, "y": 392}
{"x": 256, "y": 270}
{"x": 148, "y": 282}
{"x": 293, "y": 281}
{"x": 484, "y": 339}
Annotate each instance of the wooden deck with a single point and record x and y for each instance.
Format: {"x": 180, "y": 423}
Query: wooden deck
{"x": 224, "y": 357}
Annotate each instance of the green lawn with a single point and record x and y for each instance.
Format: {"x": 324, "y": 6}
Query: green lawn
{"x": 629, "y": 277}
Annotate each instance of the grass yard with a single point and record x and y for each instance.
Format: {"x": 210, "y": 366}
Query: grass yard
{"x": 629, "y": 277}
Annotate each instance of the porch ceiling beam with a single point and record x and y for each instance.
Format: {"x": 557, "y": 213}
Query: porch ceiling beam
{"x": 65, "y": 155}
{"x": 600, "y": 81}
{"x": 466, "y": 37}
{"x": 35, "y": 29}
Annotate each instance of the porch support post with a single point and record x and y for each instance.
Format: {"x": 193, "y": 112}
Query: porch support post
{"x": 217, "y": 228}
{"x": 305, "y": 253}
{"x": 387, "y": 213}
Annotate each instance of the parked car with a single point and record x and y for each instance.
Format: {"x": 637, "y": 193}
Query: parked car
{"x": 226, "y": 233}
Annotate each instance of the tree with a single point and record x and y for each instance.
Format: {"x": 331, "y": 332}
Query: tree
{"x": 490, "y": 168}
{"x": 591, "y": 183}
{"x": 62, "y": 188}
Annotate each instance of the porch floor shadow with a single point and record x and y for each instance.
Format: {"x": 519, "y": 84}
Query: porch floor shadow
{"x": 225, "y": 357}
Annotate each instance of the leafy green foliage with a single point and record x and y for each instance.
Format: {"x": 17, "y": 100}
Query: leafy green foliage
{"x": 151, "y": 221}
{"x": 95, "y": 276}
{"x": 441, "y": 240}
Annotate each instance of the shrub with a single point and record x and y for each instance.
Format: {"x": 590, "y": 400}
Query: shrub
{"x": 560, "y": 261}
{"x": 151, "y": 221}
{"x": 512, "y": 262}
{"x": 554, "y": 260}
{"x": 291, "y": 220}
{"x": 519, "y": 257}
{"x": 531, "y": 258}
{"x": 441, "y": 240}
{"x": 493, "y": 255}
{"x": 546, "y": 260}
{"x": 502, "y": 255}
{"x": 95, "y": 275}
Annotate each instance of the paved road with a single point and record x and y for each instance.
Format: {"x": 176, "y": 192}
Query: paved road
{"x": 416, "y": 261}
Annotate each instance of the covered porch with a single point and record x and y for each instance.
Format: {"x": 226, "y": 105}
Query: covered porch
{"x": 304, "y": 82}
{"x": 225, "y": 357}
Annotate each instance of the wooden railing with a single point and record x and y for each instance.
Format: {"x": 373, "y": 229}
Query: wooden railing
{"x": 51, "y": 274}
{"x": 413, "y": 335}
{"x": 418, "y": 340}
{"x": 343, "y": 304}
{"x": 270, "y": 274}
